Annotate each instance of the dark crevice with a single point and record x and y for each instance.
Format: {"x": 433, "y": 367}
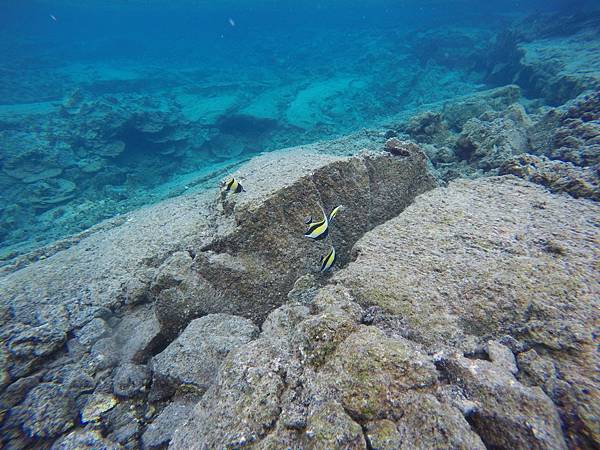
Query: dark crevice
{"x": 366, "y": 437}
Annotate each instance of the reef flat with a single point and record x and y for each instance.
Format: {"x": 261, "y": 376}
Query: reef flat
{"x": 462, "y": 310}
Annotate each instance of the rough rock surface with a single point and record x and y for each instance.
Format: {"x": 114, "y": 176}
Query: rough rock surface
{"x": 575, "y": 131}
{"x": 260, "y": 251}
{"x": 503, "y": 258}
{"x": 557, "y": 176}
{"x": 81, "y": 317}
{"x": 478, "y": 274}
{"x": 193, "y": 359}
{"x": 161, "y": 430}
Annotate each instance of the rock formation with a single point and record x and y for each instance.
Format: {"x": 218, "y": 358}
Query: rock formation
{"x": 91, "y": 324}
{"x": 477, "y": 329}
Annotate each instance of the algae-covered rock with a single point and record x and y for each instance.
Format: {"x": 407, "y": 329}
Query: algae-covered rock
{"x": 330, "y": 426}
{"x": 494, "y": 252}
{"x": 371, "y": 372}
{"x": 160, "y": 431}
{"x": 361, "y": 392}
{"x": 47, "y": 411}
{"x": 428, "y": 423}
{"x": 96, "y": 405}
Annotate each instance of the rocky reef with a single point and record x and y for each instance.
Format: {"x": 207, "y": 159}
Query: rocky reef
{"x": 461, "y": 316}
{"x": 462, "y": 311}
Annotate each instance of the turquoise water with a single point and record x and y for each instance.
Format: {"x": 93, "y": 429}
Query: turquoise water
{"x": 109, "y": 106}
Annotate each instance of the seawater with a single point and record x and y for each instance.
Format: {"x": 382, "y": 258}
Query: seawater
{"x": 106, "y": 106}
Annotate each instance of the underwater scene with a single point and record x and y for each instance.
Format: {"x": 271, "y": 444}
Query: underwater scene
{"x": 299, "y": 225}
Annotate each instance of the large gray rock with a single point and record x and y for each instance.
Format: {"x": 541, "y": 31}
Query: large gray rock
{"x": 130, "y": 379}
{"x": 491, "y": 258}
{"x": 192, "y": 361}
{"x": 506, "y": 414}
{"x": 467, "y": 279}
{"x": 160, "y": 431}
{"x": 260, "y": 250}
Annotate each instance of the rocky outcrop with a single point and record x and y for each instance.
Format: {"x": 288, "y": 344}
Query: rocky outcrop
{"x": 81, "y": 320}
{"x": 260, "y": 252}
{"x": 423, "y": 328}
{"x": 557, "y": 176}
{"x": 573, "y": 133}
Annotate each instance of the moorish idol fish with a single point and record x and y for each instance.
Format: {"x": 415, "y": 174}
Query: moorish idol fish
{"x": 234, "y": 186}
{"x": 318, "y": 230}
{"x": 334, "y": 212}
{"x": 328, "y": 260}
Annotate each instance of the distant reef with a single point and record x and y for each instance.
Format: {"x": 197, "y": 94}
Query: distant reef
{"x": 91, "y": 141}
{"x": 462, "y": 311}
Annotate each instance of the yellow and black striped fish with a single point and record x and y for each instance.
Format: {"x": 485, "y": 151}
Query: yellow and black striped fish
{"x": 318, "y": 230}
{"x": 334, "y": 212}
{"x": 328, "y": 260}
{"x": 234, "y": 186}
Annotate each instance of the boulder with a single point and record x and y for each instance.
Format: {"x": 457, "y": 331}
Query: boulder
{"x": 192, "y": 361}
{"x": 260, "y": 251}
{"x": 160, "y": 431}
{"x": 506, "y": 413}
{"x": 130, "y": 380}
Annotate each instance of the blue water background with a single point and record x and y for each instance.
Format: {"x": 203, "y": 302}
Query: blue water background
{"x": 48, "y": 49}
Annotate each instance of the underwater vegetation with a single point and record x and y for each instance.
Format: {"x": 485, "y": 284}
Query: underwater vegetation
{"x": 177, "y": 269}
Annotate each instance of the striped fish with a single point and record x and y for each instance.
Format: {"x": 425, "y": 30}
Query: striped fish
{"x": 318, "y": 230}
{"x": 234, "y": 186}
{"x": 334, "y": 212}
{"x": 328, "y": 260}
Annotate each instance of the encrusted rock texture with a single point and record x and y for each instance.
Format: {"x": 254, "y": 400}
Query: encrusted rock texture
{"x": 492, "y": 133}
{"x": 463, "y": 316}
{"x": 465, "y": 322}
{"x": 94, "y": 334}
